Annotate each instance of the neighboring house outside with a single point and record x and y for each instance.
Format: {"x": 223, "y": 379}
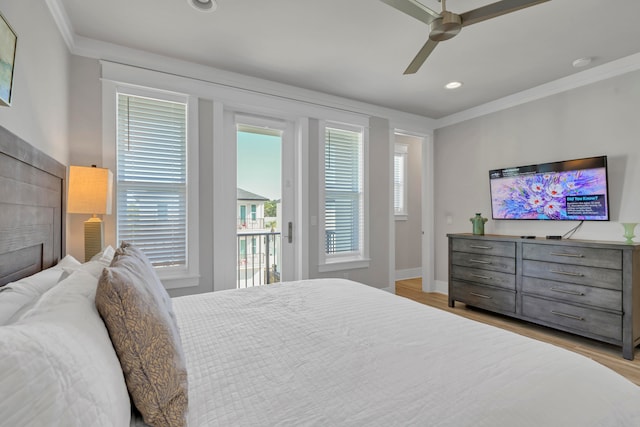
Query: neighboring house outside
{"x": 250, "y": 210}
{"x": 258, "y": 246}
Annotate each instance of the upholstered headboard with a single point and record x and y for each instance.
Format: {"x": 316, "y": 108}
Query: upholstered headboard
{"x": 32, "y": 189}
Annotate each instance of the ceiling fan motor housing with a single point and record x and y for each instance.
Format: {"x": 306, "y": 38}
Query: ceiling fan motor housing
{"x": 445, "y": 27}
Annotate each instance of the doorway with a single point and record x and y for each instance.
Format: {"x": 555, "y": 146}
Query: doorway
{"x": 265, "y": 200}
{"x": 408, "y": 204}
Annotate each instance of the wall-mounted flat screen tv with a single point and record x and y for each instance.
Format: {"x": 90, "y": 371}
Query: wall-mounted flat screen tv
{"x": 575, "y": 190}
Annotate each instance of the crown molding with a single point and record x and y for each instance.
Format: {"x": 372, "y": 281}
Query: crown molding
{"x": 96, "y": 49}
{"x": 606, "y": 71}
{"x": 62, "y": 21}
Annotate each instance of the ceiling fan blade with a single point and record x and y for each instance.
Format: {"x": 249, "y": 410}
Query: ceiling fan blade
{"x": 414, "y": 9}
{"x": 421, "y": 56}
{"x": 495, "y": 9}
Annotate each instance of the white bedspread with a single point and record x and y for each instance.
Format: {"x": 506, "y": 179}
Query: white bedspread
{"x": 338, "y": 353}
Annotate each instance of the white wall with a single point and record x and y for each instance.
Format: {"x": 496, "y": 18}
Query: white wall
{"x": 205, "y": 203}
{"x": 39, "y": 110}
{"x": 85, "y": 135}
{"x": 599, "y": 119}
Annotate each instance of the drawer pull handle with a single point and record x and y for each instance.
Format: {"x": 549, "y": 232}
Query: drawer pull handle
{"x": 570, "y": 316}
{"x": 480, "y": 295}
{"x": 567, "y": 255}
{"x": 479, "y": 261}
{"x": 480, "y": 276}
{"x": 567, "y": 273}
{"x": 480, "y": 247}
{"x": 565, "y": 291}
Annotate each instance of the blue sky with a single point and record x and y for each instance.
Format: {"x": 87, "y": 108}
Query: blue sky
{"x": 259, "y": 164}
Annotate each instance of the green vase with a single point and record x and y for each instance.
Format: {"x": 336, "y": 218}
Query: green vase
{"x": 478, "y": 224}
{"x": 629, "y": 231}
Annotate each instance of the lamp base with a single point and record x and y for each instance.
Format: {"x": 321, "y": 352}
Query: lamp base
{"x": 93, "y": 237}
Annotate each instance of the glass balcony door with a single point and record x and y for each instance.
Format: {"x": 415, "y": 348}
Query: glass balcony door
{"x": 264, "y": 201}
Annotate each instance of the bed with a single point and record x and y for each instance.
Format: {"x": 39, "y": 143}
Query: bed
{"x": 324, "y": 352}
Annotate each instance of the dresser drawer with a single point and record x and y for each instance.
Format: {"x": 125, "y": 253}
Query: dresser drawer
{"x": 492, "y": 278}
{"x": 485, "y": 262}
{"x": 590, "y": 321}
{"x": 562, "y": 254}
{"x": 591, "y": 276}
{"x": 485, "y": 247}
{"x": 483, "y": 296}
{"x": 572, "y": 293}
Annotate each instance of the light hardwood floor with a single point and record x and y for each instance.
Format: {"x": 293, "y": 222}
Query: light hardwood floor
{"x": 608, "y": 355}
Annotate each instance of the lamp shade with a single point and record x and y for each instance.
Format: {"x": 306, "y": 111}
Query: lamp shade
{"x": 90, "y": 190}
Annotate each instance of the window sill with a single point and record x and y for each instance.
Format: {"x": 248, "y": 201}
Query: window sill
{"x": 175, "y": 282}
{"x": 400, "y": 217}
{"x": 338, "y": 265}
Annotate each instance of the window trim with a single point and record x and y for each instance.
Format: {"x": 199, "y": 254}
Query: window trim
{"x": 402, "y": 150}
{"x": 351, "y": 260}
{"x": 172, "y": 278}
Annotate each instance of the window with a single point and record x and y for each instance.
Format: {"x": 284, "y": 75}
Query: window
{"x": 344, "y": 222}
{"x": 243, "y": 215}
{"x": 152, "y": 181}
{"x": 253, "y": 212}
{"x": 243, "y": 250}
{"x": 400, "y": 181}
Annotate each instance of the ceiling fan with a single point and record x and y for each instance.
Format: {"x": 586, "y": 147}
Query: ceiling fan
{"x": 446, "y": 24}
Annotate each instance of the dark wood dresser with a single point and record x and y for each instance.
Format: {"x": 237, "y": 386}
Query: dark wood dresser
{"x": 589, "y": 288}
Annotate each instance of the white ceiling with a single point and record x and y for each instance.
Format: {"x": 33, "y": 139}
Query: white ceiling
{"x": 358, "y": 49}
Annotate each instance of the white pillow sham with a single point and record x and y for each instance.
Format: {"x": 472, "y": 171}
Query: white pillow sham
{"x": 104, "y": 256}
{"x": 94, "y": 266}
{"x": 18, "y": 297}
{"x": 59, "y": 364}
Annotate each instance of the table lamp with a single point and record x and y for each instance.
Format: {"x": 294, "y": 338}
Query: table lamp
{"x": 90, "y": 192}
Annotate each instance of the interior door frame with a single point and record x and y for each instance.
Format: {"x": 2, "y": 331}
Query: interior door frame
{"x": 427, "y": 214}
{"x": 289, "y": 203}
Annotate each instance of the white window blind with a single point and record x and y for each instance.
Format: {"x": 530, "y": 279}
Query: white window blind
{"x": 152, "y": 177}
{"x": 400, "y": 180}
{"x": 343, "y": 192}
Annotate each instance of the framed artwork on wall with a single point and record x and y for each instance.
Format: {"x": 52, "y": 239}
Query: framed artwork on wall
{"x": 8, "y": 42}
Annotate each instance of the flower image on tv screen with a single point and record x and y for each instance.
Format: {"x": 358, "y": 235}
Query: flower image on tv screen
{"x": 574, "y": 190}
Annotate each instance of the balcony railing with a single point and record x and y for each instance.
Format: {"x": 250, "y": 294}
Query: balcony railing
{"x": 250, "y": 224}
{"x": 259, "y": 258}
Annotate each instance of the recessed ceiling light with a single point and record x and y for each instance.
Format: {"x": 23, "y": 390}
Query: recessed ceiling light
{"x": 203, "y": 5}
{"x": 582, "y": 62}
{"x": 453, "y": 85}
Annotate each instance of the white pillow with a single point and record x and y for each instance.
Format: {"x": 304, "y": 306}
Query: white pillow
{"x": 59, "y": 365}
{"x": 67, "y": 261}
{"x": 94, "y": 266}
{"x": 105, "y": 256}
{"x": 18, "y": 297}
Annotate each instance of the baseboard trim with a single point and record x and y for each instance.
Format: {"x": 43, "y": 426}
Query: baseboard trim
{"x": 409, "y": 273}
{"x": 442, "y": 287}
{"x": 438, "y": 286}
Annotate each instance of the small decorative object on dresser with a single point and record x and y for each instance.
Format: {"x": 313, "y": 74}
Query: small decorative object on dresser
{"x": 629, "y": 228}
{"x": 7, "y": 59}
{"x": 588, "y": 288}
{"x": 478, "y": 224}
